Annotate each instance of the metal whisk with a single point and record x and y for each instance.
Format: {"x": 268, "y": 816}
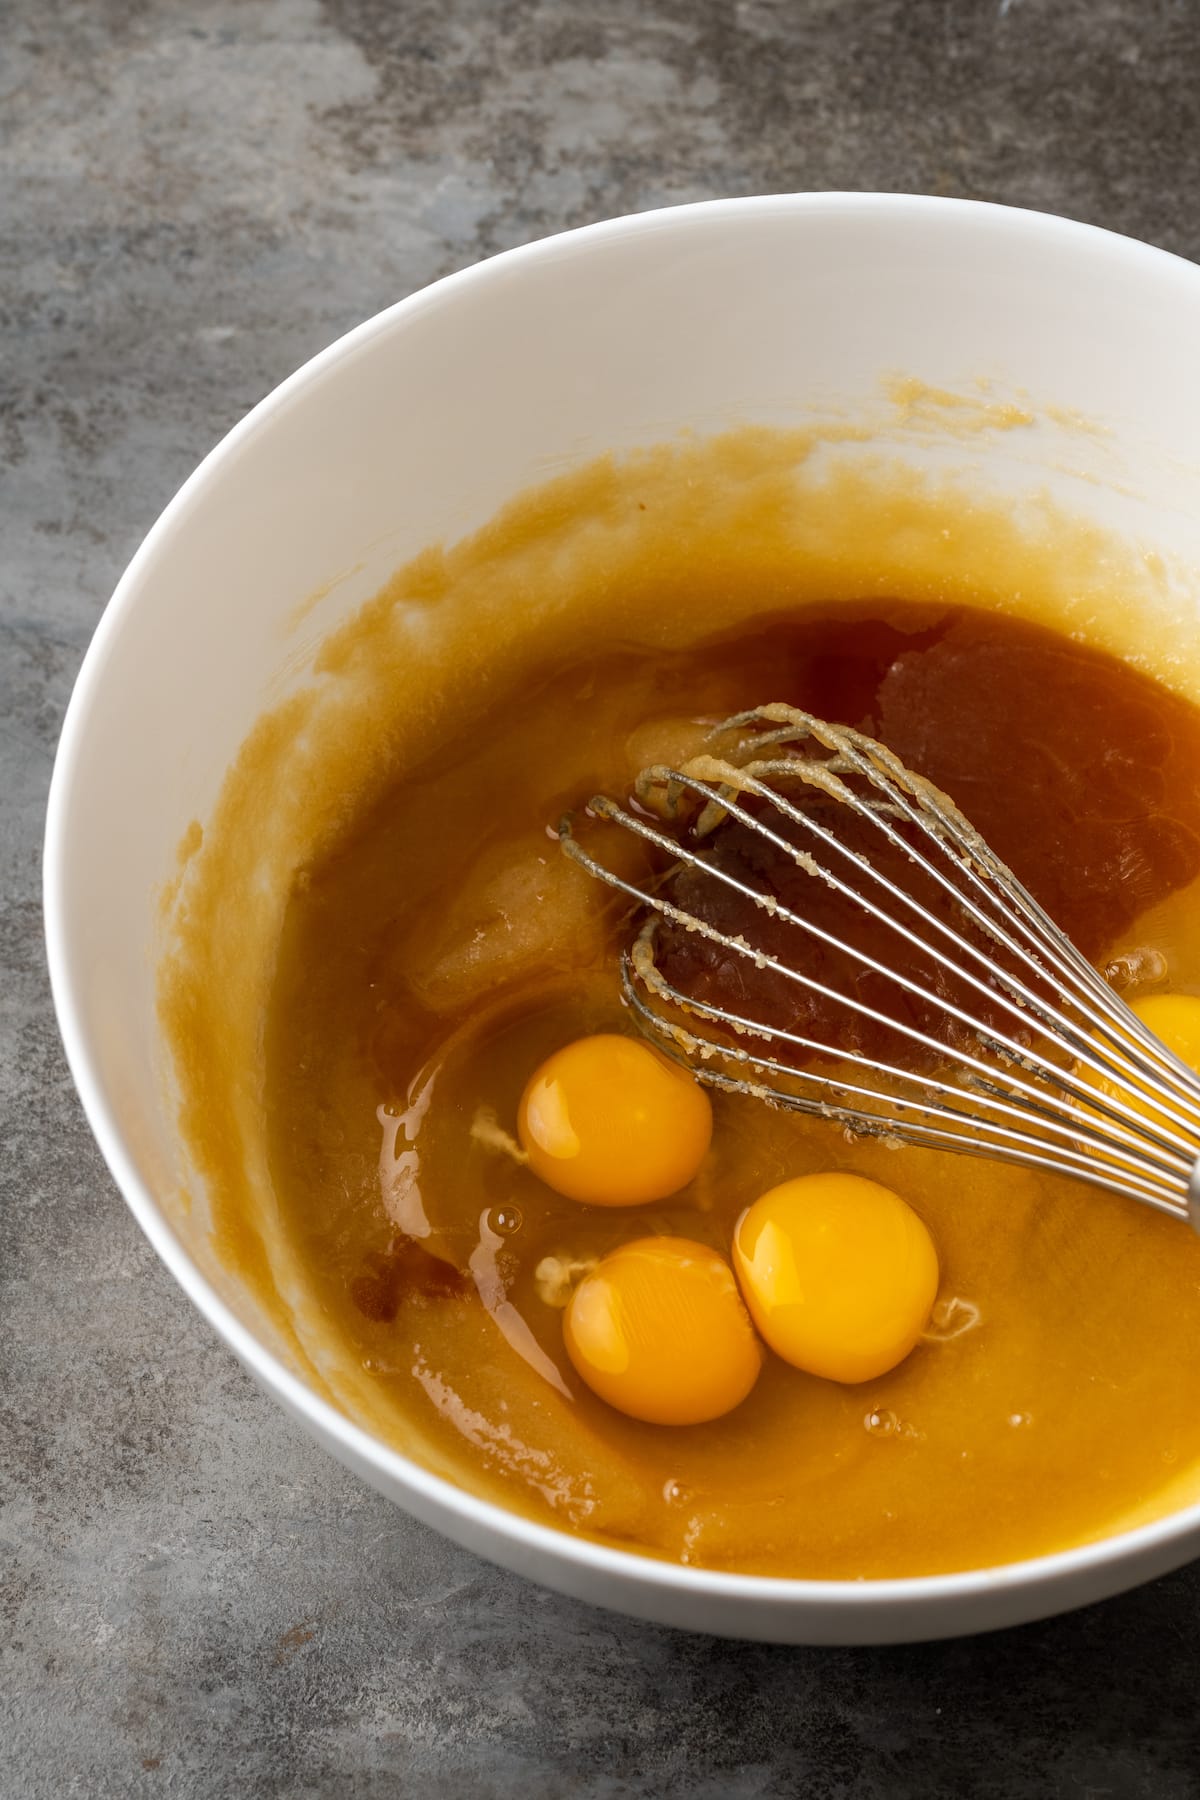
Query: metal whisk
{"x": 825, "y": 931}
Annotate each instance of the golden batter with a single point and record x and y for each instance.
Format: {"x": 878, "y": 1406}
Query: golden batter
{"x": 435, "y": 946}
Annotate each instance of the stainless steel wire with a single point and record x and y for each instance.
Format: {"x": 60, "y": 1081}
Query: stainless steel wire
{"x": 1040, "y": 1063}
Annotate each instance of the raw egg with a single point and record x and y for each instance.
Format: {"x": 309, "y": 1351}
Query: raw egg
{"x": 1175, "y": 1018}
{"x": 611, "y": 1121}
{"x": 838, "y": 1272}
{"x": 658, "y": 1329}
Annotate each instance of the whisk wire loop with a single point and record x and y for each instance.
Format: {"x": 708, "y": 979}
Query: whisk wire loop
{"x": 1064, "y": 1039}
{"x": 1074, "y": 1083}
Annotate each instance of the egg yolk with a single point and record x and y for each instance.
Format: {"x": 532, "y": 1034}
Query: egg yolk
{"x": 611, "y": 1121}
{"x": 838, "y": 1272}
{"x": 658, "y": 1330}
{"x": 1175, "y": 1018}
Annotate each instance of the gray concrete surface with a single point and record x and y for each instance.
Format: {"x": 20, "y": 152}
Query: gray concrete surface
{"x": 195, "y": 195}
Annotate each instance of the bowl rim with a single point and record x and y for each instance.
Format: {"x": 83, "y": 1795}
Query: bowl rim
{"x": 475, "y": 1518}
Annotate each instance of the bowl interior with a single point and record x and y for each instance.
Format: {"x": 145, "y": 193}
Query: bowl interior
{"x": 930, "y": 318}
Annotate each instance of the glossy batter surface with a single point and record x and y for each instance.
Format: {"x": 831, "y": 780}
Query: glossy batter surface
{"x": 445, "y": 948}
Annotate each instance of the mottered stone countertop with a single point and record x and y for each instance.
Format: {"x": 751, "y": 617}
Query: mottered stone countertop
{"x": 195, "y": 196}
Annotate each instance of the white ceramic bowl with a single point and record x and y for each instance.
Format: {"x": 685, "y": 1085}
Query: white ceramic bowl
{"x": 417, "y": 426}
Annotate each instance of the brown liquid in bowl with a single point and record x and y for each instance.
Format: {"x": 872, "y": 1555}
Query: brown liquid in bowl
{"x": 446, "y": 946}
